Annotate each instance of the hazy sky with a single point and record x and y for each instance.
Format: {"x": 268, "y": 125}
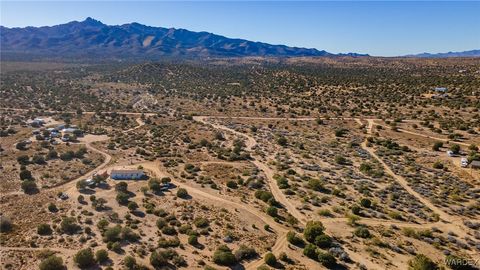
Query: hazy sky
{"x": 384, "y": 28}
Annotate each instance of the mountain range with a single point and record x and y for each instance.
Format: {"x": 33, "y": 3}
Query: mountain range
{"x": 93, "y": 39}
{"x": 472, "y": 53}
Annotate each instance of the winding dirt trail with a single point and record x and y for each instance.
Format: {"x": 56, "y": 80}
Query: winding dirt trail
{"x": 457, "y": 225}
{"x": 419, "y": 134}
{"x": 281, "y": 242}
{"x": 279, "y": 196}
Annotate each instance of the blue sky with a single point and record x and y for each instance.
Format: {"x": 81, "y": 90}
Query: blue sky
{"x": 384, "y": 28}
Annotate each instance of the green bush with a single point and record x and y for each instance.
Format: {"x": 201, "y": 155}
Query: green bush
{"x": 69, "y": 225}
{"x": 362, "y": 232}
{"x": 245, "y": 252}
{"x": 182, "y": 193}
{"x": 130, "y": 262}
{"x": 323, "y": 241}
{"x": 201, "y": 222}
{"x": 101, "y": 255}
{"x": 132, "y": 206}
{"x": 365, "y": 202}
{"x": 310, "y": 251}
{"x": 421, "y": 262}
{"x": 437, "y": 145}
{"x": 122, "y": 198}
{"x": 438, "y": 165}
{"x": 112, "y": 234}
{"x": 272, "y": 211}
{"x": 52, "y": 263}
{"x": 44, "y": 229}
{"x": 355, "y": 209}
{"x": 25, "y": 175}
{"x": 29, "y": 186}
{"x": 5, "y": 224}
{"x": 293, "y": 239}
{"x": 224, "y": 256}
{"x": 84, "y": 258}
{"x": 52, "y": 207}
{"x": 157, "y": 259}
{"x": 312, "y": 230}
{"x": 270, "y": 259}
{"x": 263, "y": 195}
{"x": 327, "y": 259}
{"x": 193, "y": 240}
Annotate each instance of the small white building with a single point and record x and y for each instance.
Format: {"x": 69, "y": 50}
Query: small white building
{"x": 127, "y": 174}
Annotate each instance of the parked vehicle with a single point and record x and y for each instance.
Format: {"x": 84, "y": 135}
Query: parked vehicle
{"x": 464, "y": 162}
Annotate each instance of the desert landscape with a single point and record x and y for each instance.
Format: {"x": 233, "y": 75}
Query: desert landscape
{"x": 320, "y": 173}
{"x": 132, "y": 146}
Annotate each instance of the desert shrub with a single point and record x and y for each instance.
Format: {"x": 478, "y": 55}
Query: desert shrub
{"x": 157, "y": 259}
{"x": 102, "y": 224}
{"x": 355, "y": 209}
{"x": 52, "y": 263}
{"x": 263, "y": 195}
{"x": 130, "y": 262}
{"x": 365, "y": 202}
{"x": 327, "y": 259}
{"x": 101, "y": 255}
{"x": 310, "y": 251}
{"x": 84, "y": 258}
{"x": 244, "y": 252}
{"x": 121, "y": 187}
{"x": 25, "y": 175}
{"x": 421, "y": 262}
{"x": 5, "y": 224}
{"x": 129, "y": 235}
{"x": 52, "y": 207}
{"x": 282, "y": 141}
{"x": 154, "y": 185}
{"x": 201, "y": 222}
{"x": 455, "y": 148}
{"x": 161, "y": 222}
{"x": 437, "y": 145}
{"x": 193, "y": 240}
{"x": 69, "y": 225}
{"x": 323, "y": 241}
{"x": 132, "y": 206}
{"x": 294, "y": 239}
{"x": 224, "y": 256}
{"x": 112, "y": 234}
{"x": 282, "y": 182}
{"x": 438, "y": 165}
{"x": 44, "y": 229}
{"x": 340, "y": 160}
{"x": 362, "y": 232}
{"x": 272, "y": 211}
{"x": 169, "y": 230}
{"x": 316, "y": 184}
{"x": 232, "y": 184}
{"x": 29, "y": 186}
{"x": 182, "y": 193}
{"x": 270, "y": 259}
{"x": 122, "y": 198}
{"x": 312, "y": 230}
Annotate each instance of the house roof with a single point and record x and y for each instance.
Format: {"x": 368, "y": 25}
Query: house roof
{"x": 127, "y": 171}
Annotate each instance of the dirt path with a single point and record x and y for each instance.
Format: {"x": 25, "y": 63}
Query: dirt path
{"x": 420, "y": 134}
{"x": 457, "y": 225}
{"x": 281, "y": 230}
{"x": 279, "y": 196}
